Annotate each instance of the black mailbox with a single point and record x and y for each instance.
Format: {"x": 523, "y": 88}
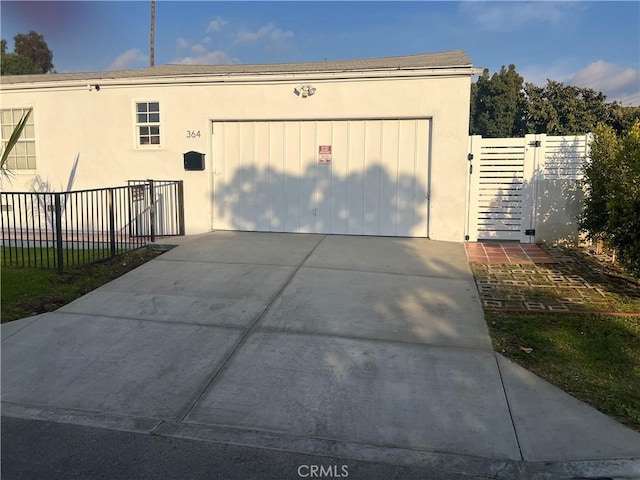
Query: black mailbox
{"x": 194, "y": 161}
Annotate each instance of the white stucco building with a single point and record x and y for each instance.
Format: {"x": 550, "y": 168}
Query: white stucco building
{"x": 374, "y": 147}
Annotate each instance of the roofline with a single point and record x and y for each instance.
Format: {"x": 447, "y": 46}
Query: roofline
{"x": 208, "y": 79}
{"x": 454, "y": 60}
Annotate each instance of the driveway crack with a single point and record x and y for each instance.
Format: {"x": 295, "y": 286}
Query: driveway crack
{"x": 248, "y": 330}
{"x": 506, "y": 397}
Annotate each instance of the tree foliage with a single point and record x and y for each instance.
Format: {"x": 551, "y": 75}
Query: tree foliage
{"x": 620, "y": 118}
{"x": 31, "y": 55}
{"x": 502, "y": 105}
{"x": 497, "y": 104}
{"x": 559, "y": 109}
{"x": 612, "y": 187}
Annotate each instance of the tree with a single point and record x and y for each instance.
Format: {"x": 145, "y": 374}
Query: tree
{"x": 497, "y": 104}
{"x": 620, "y": 118}
{"x": 558, "y": 109}
{"x": 31, "y": 55}
{"x": 612, "y": 202}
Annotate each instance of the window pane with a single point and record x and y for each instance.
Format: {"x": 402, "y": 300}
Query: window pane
{"x": 29, "y": 132}
{"x": 31, "y": 162}
{"x": 31, "y": 148}
{"x": 154, "y": 117}
{"x": 11, "y": 162}
{"x": 21, "y": 148}
{"x": 144, "y": 140}
{"x": 154, "y": 107}
{"x": 6, "y": 117}
{"x": 142, "y": 118}
{"x": 155, "y": 130}
{"x": 6, "y": 131}
{"x": 155, "y": 140}
{"x": 142, "y": 107}
{"x": 21, "y": 163}
{"x": 144, "y": 131}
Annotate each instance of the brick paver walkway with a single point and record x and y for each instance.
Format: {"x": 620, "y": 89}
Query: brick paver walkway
{"x": 571, "y": 281}
{"x": 494, "y": 253}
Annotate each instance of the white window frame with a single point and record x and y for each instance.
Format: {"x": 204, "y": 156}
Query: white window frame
{"x": 27, "y": 138}
{"x": 148, "y": 124}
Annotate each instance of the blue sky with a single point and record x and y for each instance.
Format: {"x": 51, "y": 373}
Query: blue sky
{"x": 588, "y": 44}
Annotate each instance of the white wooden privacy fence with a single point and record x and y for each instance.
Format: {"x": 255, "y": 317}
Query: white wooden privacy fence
{"x": 525, "y": 189}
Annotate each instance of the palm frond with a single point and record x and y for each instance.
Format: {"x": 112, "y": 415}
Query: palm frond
{"x": 11, "y": 143}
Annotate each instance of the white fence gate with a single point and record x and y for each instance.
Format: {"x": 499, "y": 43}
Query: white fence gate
{"x": 525, "y": 189}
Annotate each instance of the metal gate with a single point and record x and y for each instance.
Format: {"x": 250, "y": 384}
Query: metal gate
{"x": 156, "y": 208}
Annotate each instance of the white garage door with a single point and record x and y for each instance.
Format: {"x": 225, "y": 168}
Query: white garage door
{"x": 358, "y": 177}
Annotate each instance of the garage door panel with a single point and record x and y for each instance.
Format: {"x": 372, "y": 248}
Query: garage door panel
{"x": 372, "y": 177}
{"x": 339, "y": 173}
{"x": 292, "y": 176}
{"x": 355, "y": 178}
{"x": 277, "y": 182}
{"x": 262, "y": 187}
{"x": 323, "y": 195}
{"x": 268, "y": 176}
{"x": 421, "y": 175}
{"x": 405, "y": 194}
{"x": 389, "y": 180}
{"x": 242, "y": 182}
{"x": 308, "y": 177}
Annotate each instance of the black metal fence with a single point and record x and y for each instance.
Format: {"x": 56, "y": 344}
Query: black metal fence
{"x": 57, "y": 230}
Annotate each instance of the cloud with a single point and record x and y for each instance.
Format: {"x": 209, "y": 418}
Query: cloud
{"x": 182, "y": 43}
{"x": 199, "y": 49}
{"x": 217, "y": 57}
{"x": 539, "y": 74}
{"x": 128, "y": 59}
{"x": 267, "y": 32}
{"x": 216, "y": 25}
{"x": 616, "y": 82}
{"x": 511, "y": 16}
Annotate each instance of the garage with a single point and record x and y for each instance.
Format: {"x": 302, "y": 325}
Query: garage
{"x": 366, "y": 146}
{"x": 354, "y": 177}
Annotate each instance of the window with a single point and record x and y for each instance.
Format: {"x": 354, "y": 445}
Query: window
{"x": 23, "y": 155}
{"x": 148, "y": 123}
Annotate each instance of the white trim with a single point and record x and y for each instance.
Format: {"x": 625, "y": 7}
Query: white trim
{"x": 136, "y": 135}
{"x": 251, "y": 78}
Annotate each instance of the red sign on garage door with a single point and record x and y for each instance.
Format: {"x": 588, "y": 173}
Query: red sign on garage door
{"x": 324, "y": 154}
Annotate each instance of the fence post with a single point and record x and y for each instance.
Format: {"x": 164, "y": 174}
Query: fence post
{"x": 181, "y": 207}
{"x": 112, "y": 225}
{"x": 532, "y": 146}
{"x": 475, "y": 149}
{"x": 152, "y": 210}
{"x": 57, "y": 207}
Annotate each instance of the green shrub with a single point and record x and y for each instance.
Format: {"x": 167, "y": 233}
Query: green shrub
{"x": 612, "y": 203}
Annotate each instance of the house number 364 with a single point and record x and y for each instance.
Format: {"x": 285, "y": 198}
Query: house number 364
{"x": 193, "y": 133}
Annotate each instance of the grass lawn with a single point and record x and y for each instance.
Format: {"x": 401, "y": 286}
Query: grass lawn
{"x": 17, "y": 256}
{"x": 594, "y": 357}
{"x": 29, "y": 291}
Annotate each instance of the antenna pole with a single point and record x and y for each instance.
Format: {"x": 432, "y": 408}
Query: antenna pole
{"x": 153, "y": 33}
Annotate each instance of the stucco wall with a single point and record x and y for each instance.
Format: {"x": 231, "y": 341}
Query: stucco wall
{"x": 98, "y": 128}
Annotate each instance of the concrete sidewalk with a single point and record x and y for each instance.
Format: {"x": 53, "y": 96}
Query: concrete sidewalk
{"x": 365, "y": 348}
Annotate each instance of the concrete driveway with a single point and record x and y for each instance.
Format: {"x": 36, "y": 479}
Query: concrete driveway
{"x": 357, "y": 347}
